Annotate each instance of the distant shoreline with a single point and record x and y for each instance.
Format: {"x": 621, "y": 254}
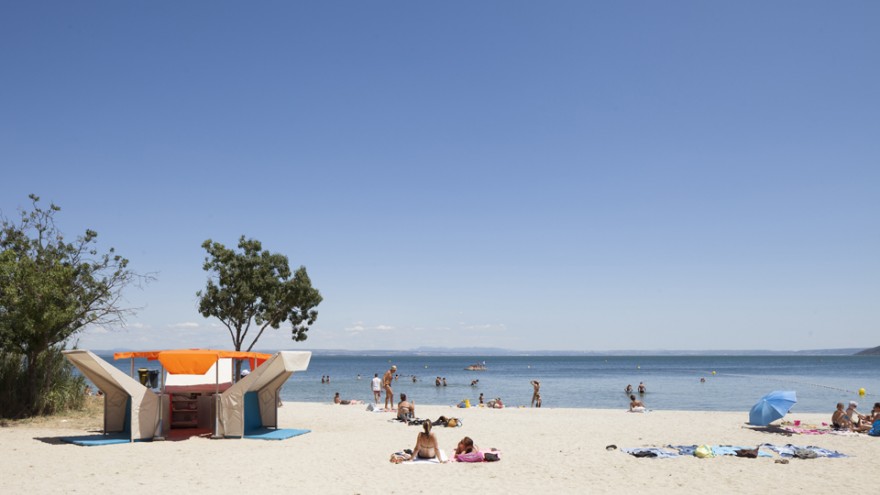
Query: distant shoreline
{"x": 487, "y": 352}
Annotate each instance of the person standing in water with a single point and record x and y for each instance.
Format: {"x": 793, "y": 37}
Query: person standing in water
{"x": 642, "y": 388}
{"x": 537, "y": 392}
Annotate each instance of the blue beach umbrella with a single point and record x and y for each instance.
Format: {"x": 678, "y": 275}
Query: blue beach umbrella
{"x": 772, "y": 407}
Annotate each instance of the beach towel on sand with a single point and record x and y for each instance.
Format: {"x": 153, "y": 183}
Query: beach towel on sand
{"x": 432, "y": 460}
{"x": 653, "y": 452}
{"x": 809, "y": 452}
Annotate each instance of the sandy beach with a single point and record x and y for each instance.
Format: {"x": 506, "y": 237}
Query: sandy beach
{"x": 348, "y": 450}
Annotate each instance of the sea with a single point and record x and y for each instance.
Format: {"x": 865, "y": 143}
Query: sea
{"x": 691, "y": 383}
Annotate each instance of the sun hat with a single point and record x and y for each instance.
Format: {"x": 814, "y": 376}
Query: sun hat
{"x": 853, "y": 403}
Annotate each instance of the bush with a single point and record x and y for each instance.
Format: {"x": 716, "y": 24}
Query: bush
{"x": 61, "y": 388}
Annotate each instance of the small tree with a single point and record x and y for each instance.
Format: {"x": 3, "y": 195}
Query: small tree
{"x": 50, "y": 290}
{"x": 255, "y": 289}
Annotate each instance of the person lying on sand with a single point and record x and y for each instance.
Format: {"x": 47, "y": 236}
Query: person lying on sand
{"x": 635, "y": 405}
{"x": 345, "y": 402}
{"x": 466, "y": 446}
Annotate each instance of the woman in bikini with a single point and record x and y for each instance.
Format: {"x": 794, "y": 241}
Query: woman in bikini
{"x": 426, "y": 444}
{"x": 636, "y": 405}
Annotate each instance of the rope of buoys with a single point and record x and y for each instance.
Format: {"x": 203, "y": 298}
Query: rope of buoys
{"x": 861, "y": 392}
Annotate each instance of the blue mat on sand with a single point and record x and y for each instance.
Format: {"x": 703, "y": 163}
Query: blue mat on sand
{"x": 94, "y": 440}
{"x": 270, "y": 434}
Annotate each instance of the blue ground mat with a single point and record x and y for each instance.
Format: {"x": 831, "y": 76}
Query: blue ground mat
{"x": 94, "y": 440}
{"x": 271, "y": 434}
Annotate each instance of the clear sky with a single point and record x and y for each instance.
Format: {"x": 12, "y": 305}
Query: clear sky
{"x": 517, "y": 174}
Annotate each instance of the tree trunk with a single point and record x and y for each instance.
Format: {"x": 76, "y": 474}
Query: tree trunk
{"x": 31, "y": 393}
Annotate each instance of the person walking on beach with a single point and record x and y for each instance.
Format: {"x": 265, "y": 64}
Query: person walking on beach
{"x": 376, "y": 385}
{"x": 536, "y": 394}
{"x": 386, "y": 381}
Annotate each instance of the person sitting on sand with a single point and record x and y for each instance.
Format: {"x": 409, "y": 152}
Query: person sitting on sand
{"x": 870, "y": 419}
{"x": 628, "y": 390}
{"x": 495, "y": 403}
{"x": 635, "y": 405}
{"x": 854, "y": 415}
{"x": 405, "y": 410}
{"x": 840, "y": 420}
{"x": 426, "y": 444}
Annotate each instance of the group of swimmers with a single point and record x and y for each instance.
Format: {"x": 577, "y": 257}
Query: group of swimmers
{"x": 629, "y": 389}
{"x": 852, "y": 420}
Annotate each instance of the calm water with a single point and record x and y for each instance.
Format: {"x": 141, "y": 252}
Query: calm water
{"x": 673, "y": 382}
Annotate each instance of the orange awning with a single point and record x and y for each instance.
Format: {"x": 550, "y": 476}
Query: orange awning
{"x": 190, "y": 361}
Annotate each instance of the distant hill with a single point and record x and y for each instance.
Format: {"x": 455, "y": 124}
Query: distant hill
{"x": 870, "y": 352}
{"x": 494, "y": 351}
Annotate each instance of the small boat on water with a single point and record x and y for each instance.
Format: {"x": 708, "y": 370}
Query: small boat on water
{"x": 476, "y": 367}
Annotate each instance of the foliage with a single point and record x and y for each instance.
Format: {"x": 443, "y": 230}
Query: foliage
{"x": 65, "y": 389}
{"x": 254, "y": 289}
{"x": 50, "y": 290}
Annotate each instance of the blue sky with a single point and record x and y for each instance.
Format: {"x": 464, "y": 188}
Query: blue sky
{"x": 527, "y": 175}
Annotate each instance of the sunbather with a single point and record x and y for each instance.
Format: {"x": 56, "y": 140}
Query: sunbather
{"x": 465, "y": 446}
{"x": 426, "y": 444}
{"x": 839, "y": 419}
{"x": 854, "y": 415}
{"x": 345, "y": 402}
{"x": 635, "y": 405}
{"x": 405, "y": 410}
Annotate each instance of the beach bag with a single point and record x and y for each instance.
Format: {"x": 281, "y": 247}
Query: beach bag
{"x": 492, "y": 456}
{"x": 453, "y": 422}
{"x": 704, "y": 451}
{"x": 875, "y": 429}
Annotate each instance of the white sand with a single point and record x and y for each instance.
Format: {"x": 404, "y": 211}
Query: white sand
{"x": 348, "y": 449}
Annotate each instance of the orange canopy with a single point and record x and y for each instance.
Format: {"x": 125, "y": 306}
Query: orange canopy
{"x": 191, "y": 361}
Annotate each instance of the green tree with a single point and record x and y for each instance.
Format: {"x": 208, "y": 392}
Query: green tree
{"x": 50, "y": 290}
{"x": 253, "y": 289}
